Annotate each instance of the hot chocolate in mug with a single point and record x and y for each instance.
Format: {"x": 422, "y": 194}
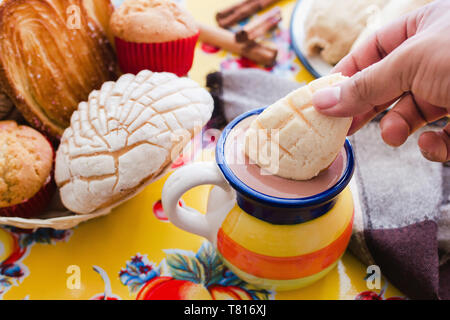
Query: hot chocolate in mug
{"x": 275, "y": 233}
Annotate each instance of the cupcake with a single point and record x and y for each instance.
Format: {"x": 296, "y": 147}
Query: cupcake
{"x": 26, "y": 163}
{"x": 156, "y": 35}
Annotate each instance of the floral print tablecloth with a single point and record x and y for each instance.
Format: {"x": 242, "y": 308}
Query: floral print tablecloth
{"x": 135, "y": 253}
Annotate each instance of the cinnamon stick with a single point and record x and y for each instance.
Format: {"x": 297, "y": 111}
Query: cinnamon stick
{"x": 259, "y": 26}
{"x": 226, "y": 40}
{"x": 240, "y": 11}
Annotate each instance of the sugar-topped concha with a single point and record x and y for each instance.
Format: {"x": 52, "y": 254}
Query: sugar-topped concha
{"x": 292, "y": 139}
{"x": 125, "y": 135}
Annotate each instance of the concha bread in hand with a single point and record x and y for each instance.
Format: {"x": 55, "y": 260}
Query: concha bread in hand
{"x": 294, "y": 141}
{"x": 125, "y": 135}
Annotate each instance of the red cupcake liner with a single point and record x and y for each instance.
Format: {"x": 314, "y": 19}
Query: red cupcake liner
{"x": 173, "y": 56}
{"x": 34, "y": 206}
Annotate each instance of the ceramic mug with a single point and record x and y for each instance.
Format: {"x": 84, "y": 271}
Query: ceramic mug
{"x": 273, "y": 243}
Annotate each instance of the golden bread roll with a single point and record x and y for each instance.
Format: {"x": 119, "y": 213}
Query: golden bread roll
{"x": 294, "y": 141}
{"x": 125, "y": 135}
{"x": 100, "y": 11}
{"x": 53, "y": 53}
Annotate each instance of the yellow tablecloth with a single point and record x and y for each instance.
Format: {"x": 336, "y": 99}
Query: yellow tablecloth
{"x": 124, "y": 254}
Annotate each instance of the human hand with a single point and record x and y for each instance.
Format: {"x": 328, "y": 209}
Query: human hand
{"x": 409, "y": 61}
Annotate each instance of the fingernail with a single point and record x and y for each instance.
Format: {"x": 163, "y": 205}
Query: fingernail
{"x": 426, "y": 154}
{"x": 327, "y": 98}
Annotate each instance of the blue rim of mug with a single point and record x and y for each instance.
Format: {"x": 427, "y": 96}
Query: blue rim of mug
{"x": 251, "y": 193}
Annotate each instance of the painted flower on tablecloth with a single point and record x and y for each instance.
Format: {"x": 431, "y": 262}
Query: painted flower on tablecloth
{"x": 138, "y": 272}
{"x": 16, "y": 244}
{"x": 372, "y": 295}
{"x": 194, "y": 150}
{"x": 158, "y": 210}
{"x": 44, "y": 236}
{"x": 187, "y": 276}
{"x": 107, "y": 293}
{"x": 11, "y": 271}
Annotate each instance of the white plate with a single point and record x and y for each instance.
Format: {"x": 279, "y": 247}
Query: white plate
{"x": 315, "y": 64}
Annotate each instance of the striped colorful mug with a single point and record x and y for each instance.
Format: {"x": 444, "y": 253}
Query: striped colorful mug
{"x": 273, "y": 243}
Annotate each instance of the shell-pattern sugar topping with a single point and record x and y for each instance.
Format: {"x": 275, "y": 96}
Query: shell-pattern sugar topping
{"x": 124, "y": 136}
{"x": 293, "y": 140}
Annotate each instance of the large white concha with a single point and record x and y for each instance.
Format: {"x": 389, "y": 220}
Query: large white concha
{"x": 125, "y": 135}
{"x": 292, "y": 139}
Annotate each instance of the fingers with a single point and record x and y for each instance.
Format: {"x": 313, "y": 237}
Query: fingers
{"x": 410, "y": 114}
{"x": 401, "y": 121}
{"x": 406, "y": 117}
{"x": 376, "y": 70}
{"x": 378, "y": 46}
{"x": 394, "y": 130}
{"x": 374, "y": 86}
{"x": 360, "y": 120}
{"x": 435, "y": 146}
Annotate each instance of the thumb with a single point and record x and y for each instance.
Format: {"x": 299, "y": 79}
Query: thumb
{"x": 376, "y": 85}
{"x": 435, "y": 146}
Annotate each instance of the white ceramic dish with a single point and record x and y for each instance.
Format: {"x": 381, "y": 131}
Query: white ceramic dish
{"x": 315, "y": 64}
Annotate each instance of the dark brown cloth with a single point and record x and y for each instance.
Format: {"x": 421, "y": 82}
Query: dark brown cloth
{"x": 402, "y": 201}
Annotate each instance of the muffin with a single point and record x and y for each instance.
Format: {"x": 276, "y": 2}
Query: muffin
{"x": 156, "y": 35}
{"x": 26, "y": 162}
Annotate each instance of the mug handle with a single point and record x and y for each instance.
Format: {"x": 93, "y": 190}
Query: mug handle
{"x": 181, "y": 181}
